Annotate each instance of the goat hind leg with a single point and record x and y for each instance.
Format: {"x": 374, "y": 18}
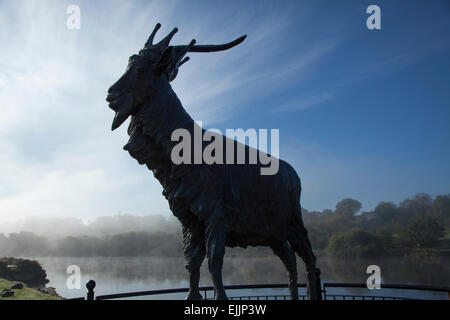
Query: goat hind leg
{"x": 287, "y": 256}
{"x": 302, "y": 246}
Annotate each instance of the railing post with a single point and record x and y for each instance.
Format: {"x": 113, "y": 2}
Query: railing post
{"x": 90, "y": 286}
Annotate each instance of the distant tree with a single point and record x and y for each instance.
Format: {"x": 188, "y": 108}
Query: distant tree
{"x": 441, "y": 209}
{"x": 318, "y": 236}
{"x": 423, "y": 200}
{"x": 420, "y": 204}
{"x": 355, "y": 243}
{"x": 422, "y": 231}
{"x": 72, "y": 247}
{"x": 348, "y": 207}
{"x": 28, "y": 244}
{"x": 386, "y": 235}
{"x": 385, "y": 211}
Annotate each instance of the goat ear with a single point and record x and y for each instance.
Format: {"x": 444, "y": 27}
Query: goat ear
{"x": 166, "y": 59}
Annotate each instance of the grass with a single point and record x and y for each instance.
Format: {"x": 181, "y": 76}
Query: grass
{"x": 25, "y": 293}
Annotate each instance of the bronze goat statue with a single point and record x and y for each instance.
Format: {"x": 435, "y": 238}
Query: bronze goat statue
{"x": 217, "y": 204}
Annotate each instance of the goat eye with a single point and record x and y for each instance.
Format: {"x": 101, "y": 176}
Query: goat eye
{"x": 139, "y": 70}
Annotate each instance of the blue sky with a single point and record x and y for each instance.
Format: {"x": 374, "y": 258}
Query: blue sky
{"x": 361, "y": 113}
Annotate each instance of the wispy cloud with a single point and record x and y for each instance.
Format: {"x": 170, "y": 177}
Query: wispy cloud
{"x": 306, "y": 102}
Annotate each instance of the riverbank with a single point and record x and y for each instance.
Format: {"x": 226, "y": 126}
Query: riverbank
{"x": 12, "y": 290}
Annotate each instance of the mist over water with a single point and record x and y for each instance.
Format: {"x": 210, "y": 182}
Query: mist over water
{"x": 120, "y": 274}
{"x": 57, "y": 227}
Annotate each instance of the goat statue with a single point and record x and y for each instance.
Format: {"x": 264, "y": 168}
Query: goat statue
{"x": 217, "y": 204}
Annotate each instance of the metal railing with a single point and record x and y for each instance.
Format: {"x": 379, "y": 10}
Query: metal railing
{"x": 404, "y": 287}
{"x": 325, "y": 294}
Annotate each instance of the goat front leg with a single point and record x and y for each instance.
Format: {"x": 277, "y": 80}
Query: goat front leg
{"x": 193, "y": 268}
{"x": 216, "y": 232}
{"x": 194, "y": 254}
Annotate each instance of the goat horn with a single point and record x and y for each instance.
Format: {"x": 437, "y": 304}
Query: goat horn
{"x": 219, "y": 47}
{"x": 165, "y": 42}
{"x": 152, "y": 36}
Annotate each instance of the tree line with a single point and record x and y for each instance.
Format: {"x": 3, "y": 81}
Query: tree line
{"x": 130, "y": 244}
{"x": 345, "y": 232}
{"x": 416, "y": 223}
